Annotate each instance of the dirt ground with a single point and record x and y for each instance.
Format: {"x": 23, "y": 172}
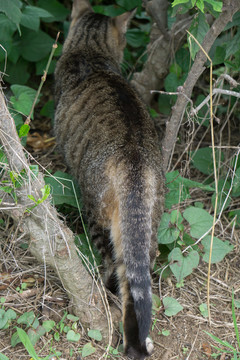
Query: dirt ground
{"x": 187, "y": 338}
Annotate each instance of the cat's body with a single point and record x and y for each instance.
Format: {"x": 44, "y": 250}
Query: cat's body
{"x": 111, "y": 146}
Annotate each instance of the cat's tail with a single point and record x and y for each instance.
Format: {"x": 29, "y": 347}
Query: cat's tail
{"x": 137, "y": 199}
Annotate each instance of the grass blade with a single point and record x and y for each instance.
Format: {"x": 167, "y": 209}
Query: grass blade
{"x": 235, "y": 320}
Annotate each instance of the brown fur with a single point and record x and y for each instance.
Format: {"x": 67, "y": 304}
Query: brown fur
{"x": 111, "y": 146}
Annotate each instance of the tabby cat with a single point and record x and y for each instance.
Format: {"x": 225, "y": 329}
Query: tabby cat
{"x": 111, "y": 146}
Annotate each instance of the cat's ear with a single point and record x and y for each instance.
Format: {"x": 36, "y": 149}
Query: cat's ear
{"x": 122, "y": 21}
{"x": 79, "y": 8}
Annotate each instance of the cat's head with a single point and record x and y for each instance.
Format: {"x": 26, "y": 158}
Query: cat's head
{"x": 98, "y": 30}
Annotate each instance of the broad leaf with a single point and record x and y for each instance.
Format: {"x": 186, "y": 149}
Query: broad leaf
{"x": 55, "y": 8}
{"x": 199, "y": 219}
{"x": 182, "y": 265}
{"x": 12, "y": 10}
{"x": 95, "y": 334}
{"x": 220, "y": 249}
{"x": 23, "y": 98}
{"x": 198, "y": 29}
{"x": 3, "y": 357}
{"x": 203, "y": 160}
{"x": 87, "y": 350}
{"x": 166, "y": 234}
{"x": 48, "y": 325}
{"x": 171, "y": 306}
{"x": 217, "y": 5}
{"x": 64, "y": 189}
{"x": 72, "y": 336}
{"x": 35, "y": 45}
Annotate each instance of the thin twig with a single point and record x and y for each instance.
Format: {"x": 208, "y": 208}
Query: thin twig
{"x": 43, "y": 79}
{"x": 215, "y": 91}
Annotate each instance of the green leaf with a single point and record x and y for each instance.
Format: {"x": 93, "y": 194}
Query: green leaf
{"x": 233, "y": 45}
{"x": 3, "y": 357}
{"x": 95, "y": 334}
{"x": 23, "y": 98}
{"x": 179, "y": 188}
{"x": 220, "y": 249}
{"x": 27, "y": 343}
{"x": 237, "y": 303}
{"x": 63, "y": 186}
{"x": 3, "y": 318}
{"x": 18, "y": 73}
{"x": 88, "y": 349}
{"x": 26, "y": 318}
{"x": 46, "y": 190}
{"x": 7, "y": 28}
{"x": 35, "y": 45}
{"x": 31, "y": 17}
{"x": 10, "y": 314}
{"x": 48, "y": 109}
{"x": 200, "y": 5}
{"x": 236, "y": 213}
{"x": 204, "y": 310}
{"x": 129, "y": 5}
{"x": 35, "y": 334}
{"x": 166, "y": 234}
{"x": 72, "y": 317}
{"x": 164, "y": 104}
{"x": 136, "y": 38}
{"x": 219, "y": 55}
{"x": 165, "y": 332}
{"x": 156, "y": 303}
{"x": 15, "y": 339}
{"x": 202, "y": 160}
{"x": 41, "y": 66}
{"x": 58, "y": 11}
{"x": 72, "y": 336}
{"x": 24, "y": 130}
{"x": 171, "y": 306}
{"x": 198, "y": 29}
{"x": 199, "y": 219}
{"x": 48, "y": 325}
{"x": 171, "y": 82}
{"x": 12, "y": 10}
{"x": 183, "y": 59}
{"x": 217, "y": 5}
{"x": 83, "y": 246}
{"x": 182, "y": 265}
{"x": 177, "y": 2}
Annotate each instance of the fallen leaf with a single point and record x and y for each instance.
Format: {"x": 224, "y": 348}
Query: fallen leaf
{"x": 207, "y": 349}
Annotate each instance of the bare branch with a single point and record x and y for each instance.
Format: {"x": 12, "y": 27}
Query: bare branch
{"x": 172, "y": 126}
{"x": 215, "y": 91}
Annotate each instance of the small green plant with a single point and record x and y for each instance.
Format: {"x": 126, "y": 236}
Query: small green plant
{"x": 46, "y": 190}
{"x": 28, "y": 331}
{"x": 224, "y": 347}
{"x": 21, "y": 288}
{"x": 203, "y": 309}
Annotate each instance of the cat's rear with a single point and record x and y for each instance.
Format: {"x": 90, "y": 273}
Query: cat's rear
{"x": 111, "y": 145}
